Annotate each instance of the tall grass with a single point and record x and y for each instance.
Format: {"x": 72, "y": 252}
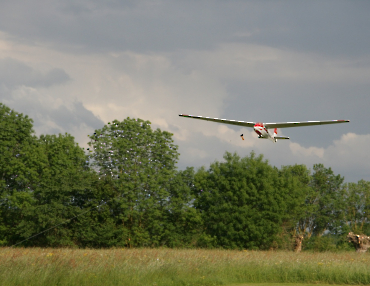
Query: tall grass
{"x": 35, "y": 266}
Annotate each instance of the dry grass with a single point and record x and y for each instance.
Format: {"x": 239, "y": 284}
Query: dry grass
{"x": 35, "y": 266}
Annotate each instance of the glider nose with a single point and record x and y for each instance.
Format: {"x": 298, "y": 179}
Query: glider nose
{"x": 257, "y": 131}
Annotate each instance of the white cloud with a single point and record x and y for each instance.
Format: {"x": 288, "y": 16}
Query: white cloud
{"x": 351, "y": 151}
{"x": 298, "y": 150}
{"x": 348, "y": 156}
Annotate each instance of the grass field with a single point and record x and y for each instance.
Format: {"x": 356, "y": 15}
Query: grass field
{"x": 36, "y": 266}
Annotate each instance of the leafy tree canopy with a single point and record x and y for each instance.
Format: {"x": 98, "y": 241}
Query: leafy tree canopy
{"x": 139, "y": 164}
{"x": 243, "y": 202}
{"x": 61, "y": 191}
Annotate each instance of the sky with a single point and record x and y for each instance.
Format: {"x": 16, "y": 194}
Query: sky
{"x": 73, "y": 66}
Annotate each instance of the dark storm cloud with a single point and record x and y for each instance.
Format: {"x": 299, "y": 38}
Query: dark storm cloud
{"x": 52, "y": 120}
{"x": 329, "y": 27}
{"x": 14, "y": 73}
{"x": 67, "y": 118}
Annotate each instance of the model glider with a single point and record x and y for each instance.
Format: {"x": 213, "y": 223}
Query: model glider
{"x": 262, "y": 129}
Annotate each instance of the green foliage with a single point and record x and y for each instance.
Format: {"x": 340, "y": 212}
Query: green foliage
{"x": 357, "y": 207}
{"x": 184, "y": 222}
{"x": 320, "y": 243}
{"x": 59, "y": 193}
{"x": 243, "y": 202}
{"x": 332, "y": 243}
{"x": 19, "y": 163}
{"x": 16, "y": 149}
{"x": 296, "y": 180}
{"x": 98, "y": 228}
{"x": 328, "y": 199}
{"x": 323, "y": 202}
{"x": 139, "y": 166}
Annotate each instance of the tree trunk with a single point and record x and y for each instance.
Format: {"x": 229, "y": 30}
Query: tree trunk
{"x": 298, "y": 243}
{"x": 361, "y": 242}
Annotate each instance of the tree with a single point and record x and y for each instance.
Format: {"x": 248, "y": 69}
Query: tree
{"x": 296, "y": 179}
{"x": 20, "y": 161}
{"x": 98, "y": 227}
{"x": 357, "y": 207}
{"x": 138, "y": 163}
{"x": 323, "y": 202}
{"x": 60, "y": 193}
{"x": 184, "y": 223}
{"x": 243, "y": 202}
{"x": 328, "y": 200}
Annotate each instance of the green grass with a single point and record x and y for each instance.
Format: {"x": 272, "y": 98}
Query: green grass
{"x": 35, "y": 266}
{"x": 281, "y": 284}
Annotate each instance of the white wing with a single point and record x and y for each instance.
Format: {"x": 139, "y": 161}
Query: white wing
{"x": 226, "y": 121}
{"x": 302, "y": 123}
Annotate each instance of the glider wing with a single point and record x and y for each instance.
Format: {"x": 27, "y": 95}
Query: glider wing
{"x": 219, "y": 120}
{"x": 302, "y": 123}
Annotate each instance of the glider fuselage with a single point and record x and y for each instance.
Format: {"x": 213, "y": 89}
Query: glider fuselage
{"x": 263, "y": 133}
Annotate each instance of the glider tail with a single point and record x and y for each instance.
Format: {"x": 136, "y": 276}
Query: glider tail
{"x": 278, "y": 137}
{"x": 275, "y": 132}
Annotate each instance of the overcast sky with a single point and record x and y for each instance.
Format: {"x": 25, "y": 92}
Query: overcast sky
{"x": 73, "y": 66}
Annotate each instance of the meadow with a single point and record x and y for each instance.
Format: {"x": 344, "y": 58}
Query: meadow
{"x": 37, "y": 266}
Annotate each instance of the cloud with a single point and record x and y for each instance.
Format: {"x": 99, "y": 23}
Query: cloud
{"x": 351, "y": 152}
{"x": 52, "y": 115}
{"x": 75, "y": 65}
{"x": 256, "y": 63}
{"x": 151, "y": 87}
{"x": 15, "y": 73}
{"x": 330, "y": 28}
{"x": 298, "y": 150}
{"x": 158, "y": 87}
{"x": 348, "y": 156}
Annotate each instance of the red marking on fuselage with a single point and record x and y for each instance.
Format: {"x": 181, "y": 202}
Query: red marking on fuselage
{"x": 260, "y": 124}
{"x": 260, "y": 129}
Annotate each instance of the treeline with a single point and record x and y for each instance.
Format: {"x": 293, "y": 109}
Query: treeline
{"x": 125, "y": 191}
